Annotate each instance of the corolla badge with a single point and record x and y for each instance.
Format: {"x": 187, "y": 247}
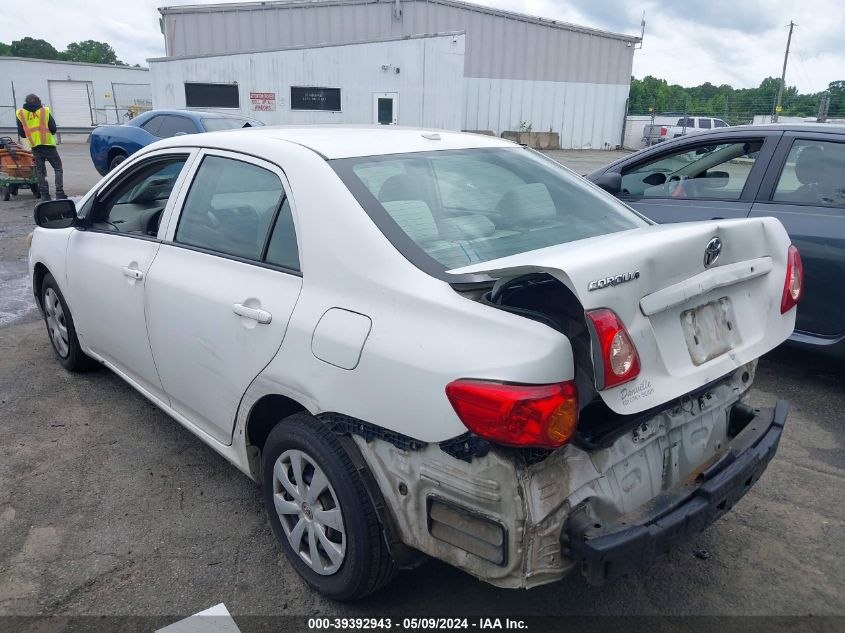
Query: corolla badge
{"x": 712, "y": 252}
{"x": 607, "y": 282}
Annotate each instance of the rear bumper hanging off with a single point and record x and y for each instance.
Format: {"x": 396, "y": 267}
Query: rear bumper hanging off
{"x": 635, "y": 540}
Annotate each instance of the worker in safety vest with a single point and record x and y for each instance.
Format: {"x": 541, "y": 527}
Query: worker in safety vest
{"x": 38, "y": 126}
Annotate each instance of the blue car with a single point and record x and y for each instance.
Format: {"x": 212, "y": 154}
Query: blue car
{"x": 112, "y": 144}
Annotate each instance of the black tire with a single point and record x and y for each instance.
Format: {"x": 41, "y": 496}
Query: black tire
{"x": 367, "y": 564}
{"x": 13, "y": 189}
{"x": 118, "y": 158}
{"x": 4, "y": 191}
{"x": 34, "y": 190}
{"x": 72, "y": 359}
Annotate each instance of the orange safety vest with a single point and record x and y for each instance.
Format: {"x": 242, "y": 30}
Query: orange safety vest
{"x": 36, "y": 126}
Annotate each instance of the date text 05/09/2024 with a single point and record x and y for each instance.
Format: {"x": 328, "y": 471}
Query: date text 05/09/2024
{"x": 413, "y": 624}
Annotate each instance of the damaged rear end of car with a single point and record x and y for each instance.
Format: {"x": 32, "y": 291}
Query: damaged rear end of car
{"x": 649, "y": 439}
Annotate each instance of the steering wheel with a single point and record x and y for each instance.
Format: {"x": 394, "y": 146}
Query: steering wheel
{"x": 153, "y": 223}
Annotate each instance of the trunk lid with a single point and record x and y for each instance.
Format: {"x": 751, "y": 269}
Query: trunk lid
{"x": 691, "y": 323}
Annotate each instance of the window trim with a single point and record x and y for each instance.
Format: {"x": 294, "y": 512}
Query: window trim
{"x": 121, "y": 176}
{"x": 778, "y": 163}
{"x": 752, "y": 183}
{"x": 169, "y": 238}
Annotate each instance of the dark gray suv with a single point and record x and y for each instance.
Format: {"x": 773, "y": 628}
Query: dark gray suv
{"x": 795, "y": 173}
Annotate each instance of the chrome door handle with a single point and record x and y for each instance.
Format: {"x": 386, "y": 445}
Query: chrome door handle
{"x": 256, "y": 314}
{"x": 133, "y": 273}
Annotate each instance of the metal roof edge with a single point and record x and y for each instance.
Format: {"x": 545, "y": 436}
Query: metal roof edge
{"x": 302, "y": 47}
{"x": 61, "y": 61}
{"x": 267, "y": 4}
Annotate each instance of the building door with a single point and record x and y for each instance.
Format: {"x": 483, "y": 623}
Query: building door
{"x": 70, "y": 102}
{"x": 386, "y": 108}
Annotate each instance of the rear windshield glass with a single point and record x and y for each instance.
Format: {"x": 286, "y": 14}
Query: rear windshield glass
{"x": 221, "y": 123}
{"x": 466, "y": 206}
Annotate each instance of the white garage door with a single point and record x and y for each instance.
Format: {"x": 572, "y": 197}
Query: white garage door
{"x": 70, "y": 103}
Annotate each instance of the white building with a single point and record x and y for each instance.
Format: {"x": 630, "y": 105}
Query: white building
{"x": 80, "y": 95}
{"x": 517, "y": 71}
{"x": 343, "y": 83}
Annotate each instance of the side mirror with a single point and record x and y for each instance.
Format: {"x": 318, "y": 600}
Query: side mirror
{"x": 610, "y": 181}
{"x": 55, "y": 214}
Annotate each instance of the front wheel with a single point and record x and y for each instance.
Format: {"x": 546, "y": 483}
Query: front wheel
{"x": 60, "y": 328}
{"x": 320, "y": 511}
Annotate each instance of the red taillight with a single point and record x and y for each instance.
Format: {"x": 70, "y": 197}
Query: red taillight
{"x": 663, "y": 131}
{"x": 617, "y": 359}
{"x": 544, "y": 416}
{"x": 793, "y": 287}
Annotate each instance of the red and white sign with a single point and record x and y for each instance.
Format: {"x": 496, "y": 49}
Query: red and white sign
{"x": 262, "y": 101}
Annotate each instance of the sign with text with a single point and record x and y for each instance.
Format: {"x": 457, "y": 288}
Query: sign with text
{"x": 262, "y": 101}
{"x": 306, "y": 98}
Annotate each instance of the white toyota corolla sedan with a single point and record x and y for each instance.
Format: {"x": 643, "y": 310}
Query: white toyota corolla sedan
{"x": 428, "y": 343}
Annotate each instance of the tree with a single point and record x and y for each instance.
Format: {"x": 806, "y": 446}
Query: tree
{"x": 90, "y": 51}
{"x": 31, "y": 47}
{"x": 5, "y": 50}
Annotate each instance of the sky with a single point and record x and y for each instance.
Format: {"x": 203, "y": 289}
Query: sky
{"x": 688, "y": 42}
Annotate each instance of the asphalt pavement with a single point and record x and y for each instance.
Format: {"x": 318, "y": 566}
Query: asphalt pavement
{"x": 107, "y": 506}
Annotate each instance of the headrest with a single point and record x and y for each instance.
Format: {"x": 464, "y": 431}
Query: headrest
{"x": 526, "y": 204}
{"x": 399, "y": 187}
{"x": 810, "y": 165}
{"x": 414, "y": 217}
{"x": 466, "y": 227}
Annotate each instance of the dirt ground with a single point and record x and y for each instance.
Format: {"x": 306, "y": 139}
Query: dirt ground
{"x": 107, "y": 506}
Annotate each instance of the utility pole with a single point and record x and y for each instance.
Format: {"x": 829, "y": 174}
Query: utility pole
{"x": 776, "y": 109}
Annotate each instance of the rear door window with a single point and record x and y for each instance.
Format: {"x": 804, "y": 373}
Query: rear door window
{"x": 152, "y": 126}
{"x": 814, "y": 173}
{"x": 704, "y": 124}
{"x": 172, "y": 125}
{"x": 719, "y": 123}
{"x": 717, "y": 171}
{"x": 230, "y": 208}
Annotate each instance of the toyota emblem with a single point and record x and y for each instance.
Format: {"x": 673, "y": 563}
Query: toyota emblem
{"x": 712, "y": 252}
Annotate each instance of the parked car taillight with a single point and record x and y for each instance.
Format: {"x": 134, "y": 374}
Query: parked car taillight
{"x": 543, "y": 416}
{"x": 793, "y": 286}
{"x": 663, "y": 131}
{"x": 616, "y": 358}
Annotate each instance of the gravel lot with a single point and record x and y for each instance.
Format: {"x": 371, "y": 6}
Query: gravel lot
{"x": 107, "y": 506}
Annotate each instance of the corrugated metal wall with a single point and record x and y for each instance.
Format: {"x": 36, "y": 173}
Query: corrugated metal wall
{"x": 497, "y": 47}
{"x": 567, "y": 79}
{"x": 429, "y": 84}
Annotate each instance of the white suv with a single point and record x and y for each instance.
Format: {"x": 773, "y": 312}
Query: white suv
{"x": 428, "y": 343}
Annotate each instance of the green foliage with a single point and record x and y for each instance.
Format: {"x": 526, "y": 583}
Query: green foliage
{"x": 91, "y": 52}
{"x": 736, "y": 106}
{"x": 31, "y": 47}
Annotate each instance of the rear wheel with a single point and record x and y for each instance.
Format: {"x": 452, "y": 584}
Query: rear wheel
{"x": 5, "y": 193}
{"x": 118, "y": 158}
{"x": 34, "y": 190}
{"x": 320, "y": 511}
{"x": 60, "y": 328}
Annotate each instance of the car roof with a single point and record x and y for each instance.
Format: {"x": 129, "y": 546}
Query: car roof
{"x": 347, "y": 141}
{"x": 195, "y": 114}
{"x": 830, "y": 128}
